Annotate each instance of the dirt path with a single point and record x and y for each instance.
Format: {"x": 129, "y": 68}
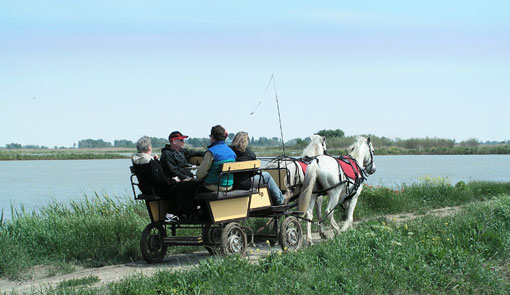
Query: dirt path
{"x": 41, "y": 280}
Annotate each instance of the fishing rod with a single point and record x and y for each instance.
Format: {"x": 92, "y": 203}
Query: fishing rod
{"x": 277, "y": 106}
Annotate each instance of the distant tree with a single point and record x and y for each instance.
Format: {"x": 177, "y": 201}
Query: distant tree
{"x": 472, "y": 142}
{"x": 331, "y": 133}
{"x": 92, "y": 143}
{"x": 31, "y": 146}
{"x": 158, "y": 142}
{"x": 123, "y": 143}
{"x": 13, "y": 146}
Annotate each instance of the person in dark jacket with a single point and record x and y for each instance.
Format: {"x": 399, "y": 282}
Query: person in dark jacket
{"x": 244, "y": 180}
{"x": 152, "y": 179}
{"x": 174, "y": 157}
{"x": 148, "y": 170}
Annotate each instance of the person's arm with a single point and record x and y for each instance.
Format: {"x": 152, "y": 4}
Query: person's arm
{"x": 172, "y": 167}
{"x": 205, "y": 166}
{"x": 191, "y": 153}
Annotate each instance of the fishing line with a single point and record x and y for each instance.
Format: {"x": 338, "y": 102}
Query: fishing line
{"x": 277, "y": 106}
{"x": 262, "y": 98}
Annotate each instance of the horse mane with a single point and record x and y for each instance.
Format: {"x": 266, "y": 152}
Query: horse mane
{"x": 354, "y": 148}
{"x": 314, "y": 148}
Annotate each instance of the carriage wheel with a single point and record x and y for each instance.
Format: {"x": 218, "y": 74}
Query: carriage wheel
{"x": 151, "y": 243}
{"x": 211, "y": 235}
{"x": 291, "y": 234}
{"x": 233, "y": 240}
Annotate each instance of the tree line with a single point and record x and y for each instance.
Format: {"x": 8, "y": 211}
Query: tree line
{"x": 335, "y": 140}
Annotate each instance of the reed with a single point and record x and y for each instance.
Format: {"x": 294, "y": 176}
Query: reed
{"x": 461, "y": 254}
{"x": 100, "y": 230}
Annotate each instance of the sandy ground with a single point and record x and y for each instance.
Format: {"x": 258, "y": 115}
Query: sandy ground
{"x": 41, "y": 280}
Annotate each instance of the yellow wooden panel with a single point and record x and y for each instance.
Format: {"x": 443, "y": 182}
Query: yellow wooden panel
{"x": 159, "y": 209}
{"x": 229, "y": 209}
{"x": 280, "y": 177}
{"x": 260, "y": 200}
{"x": 241, "y": 165}
{"x": 195, "y": 160}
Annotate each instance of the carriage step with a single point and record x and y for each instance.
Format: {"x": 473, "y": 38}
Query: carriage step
{"x": 183, "y": 240}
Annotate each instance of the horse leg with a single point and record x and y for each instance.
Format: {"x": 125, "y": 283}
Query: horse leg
{"x": 350, "y": 212}
{"x": 318, "y": 209}
{"x": 333, "y": 201}
{"x": 309, "y": 216}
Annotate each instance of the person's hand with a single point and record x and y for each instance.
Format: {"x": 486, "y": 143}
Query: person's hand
{"x": 176, "y": 178}
{"x": 155, "y": 157}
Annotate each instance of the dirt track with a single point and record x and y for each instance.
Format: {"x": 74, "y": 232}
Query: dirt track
{"x": 41, "y": 280}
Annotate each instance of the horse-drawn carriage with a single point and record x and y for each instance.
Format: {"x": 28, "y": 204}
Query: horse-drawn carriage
{"x": 220, "y": 229}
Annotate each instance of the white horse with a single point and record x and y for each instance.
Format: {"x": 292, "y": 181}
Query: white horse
{"x": 295, "y": 175}
{"x": 325, "y": 174}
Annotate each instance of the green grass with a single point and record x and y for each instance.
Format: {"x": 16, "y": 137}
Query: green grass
{"x": 90, "y": 280}
{"x": 461, "y": 254}
{"x": 8, "y": 155}
{"x": 100, "y": 231}
{"x": 429, "y": 194}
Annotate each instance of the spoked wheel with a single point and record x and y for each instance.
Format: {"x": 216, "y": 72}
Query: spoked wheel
{"x": 212, "y": 235}
{"x": 151, "y": 243}
{"x": 233, "y": 240}
{"x": 291, "y": 234}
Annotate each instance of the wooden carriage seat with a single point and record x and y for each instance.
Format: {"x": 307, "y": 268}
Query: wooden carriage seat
{"x": 280, "y": 177}
{"x": 156, "y": 205}
{"x": 234, "y": 204}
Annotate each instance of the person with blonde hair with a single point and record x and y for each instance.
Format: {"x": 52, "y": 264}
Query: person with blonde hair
{"x": 244, "y": 180}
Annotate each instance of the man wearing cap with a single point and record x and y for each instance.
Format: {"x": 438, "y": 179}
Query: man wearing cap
{"x": 174, "y": 157}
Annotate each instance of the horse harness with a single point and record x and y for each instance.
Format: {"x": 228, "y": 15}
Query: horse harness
{"x": 354, "y": 177}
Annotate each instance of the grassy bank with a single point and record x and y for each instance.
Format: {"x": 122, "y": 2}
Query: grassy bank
{"x": 462, "y": 254}
{"x": 101, "y": 231}
{"x": 292, "y": 151}
{"x": 67, "y": 154}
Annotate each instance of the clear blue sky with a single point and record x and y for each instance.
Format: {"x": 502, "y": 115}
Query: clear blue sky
{"x": 71, "y": 70}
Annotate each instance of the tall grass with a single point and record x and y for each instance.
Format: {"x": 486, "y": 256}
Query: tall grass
{"x": 462, "y": 254}
{"x": 99, "y": 231}
{"x": 96, "y": 231}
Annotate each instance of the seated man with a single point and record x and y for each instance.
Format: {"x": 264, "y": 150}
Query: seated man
{"x": 152, "y": 179}
{"x": 217, "y": 153}
{"x": 174, "y": 157}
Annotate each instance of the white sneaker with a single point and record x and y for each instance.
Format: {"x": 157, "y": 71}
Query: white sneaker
{"x": 171, "y": 218}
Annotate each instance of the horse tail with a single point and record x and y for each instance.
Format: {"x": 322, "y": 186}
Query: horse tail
{"x": 308, "y": 185}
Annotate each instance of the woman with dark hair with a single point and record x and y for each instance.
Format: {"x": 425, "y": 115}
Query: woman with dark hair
{"x": 217, "y": 153}
{"x": 244, "y": 180}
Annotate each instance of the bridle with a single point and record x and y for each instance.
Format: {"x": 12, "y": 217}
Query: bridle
{"x": 365, "y": 170}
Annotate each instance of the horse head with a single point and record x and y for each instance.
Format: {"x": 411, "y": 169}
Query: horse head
{"x": 368, "y": 159}
{"x": 316, "y": 147}
{"x": 363, "y": 152}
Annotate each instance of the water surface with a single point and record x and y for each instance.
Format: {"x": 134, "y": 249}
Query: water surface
{"x": 37, "y": 183}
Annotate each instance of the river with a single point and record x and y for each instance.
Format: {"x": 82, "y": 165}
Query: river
{"x": 34, "y": 184}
